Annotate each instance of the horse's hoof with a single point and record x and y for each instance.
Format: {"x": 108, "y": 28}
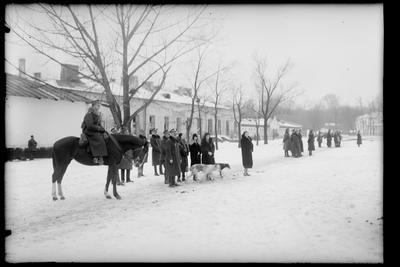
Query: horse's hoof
{"x": 55, "y": 198}
{"x": 108, "y": 197}
{"x": 117, "y": 196}
{"x": 62, "y": 198}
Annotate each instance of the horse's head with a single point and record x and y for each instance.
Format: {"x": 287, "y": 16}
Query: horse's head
{"x": 140, "y": 154}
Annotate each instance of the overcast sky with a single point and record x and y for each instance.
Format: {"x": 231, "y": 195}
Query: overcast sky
{"x": 333, "y": 48}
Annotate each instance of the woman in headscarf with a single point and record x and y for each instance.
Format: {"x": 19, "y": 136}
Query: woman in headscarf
{"x": 195, "y": 150}
{"x": 207, "y": 150}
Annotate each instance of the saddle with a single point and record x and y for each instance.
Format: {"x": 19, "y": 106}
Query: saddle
{"x": 83, "y": 140}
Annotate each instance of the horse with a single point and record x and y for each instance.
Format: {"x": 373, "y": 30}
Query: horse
{"x": 68, "y": 148}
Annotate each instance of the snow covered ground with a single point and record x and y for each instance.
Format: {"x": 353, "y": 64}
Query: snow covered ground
{"x": 323, "y": 208}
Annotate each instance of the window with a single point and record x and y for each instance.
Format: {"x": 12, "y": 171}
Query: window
{"x": 166, "y": 123}
{"x": 227, "y": 127}
{"x": 219, "y": 127}
{"x": 152, "y": 121}
{"x": 210, "y": 126}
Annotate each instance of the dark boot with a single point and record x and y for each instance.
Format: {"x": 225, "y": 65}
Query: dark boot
{"x": 183, "y": 177}
{"x": 309, "y": 153}
{"x": 128, "y": 176}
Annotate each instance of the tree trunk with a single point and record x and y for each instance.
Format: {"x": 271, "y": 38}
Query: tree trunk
{"x": 265, "y": 131}
{"x": 216, "y": 129}
{"x": 257, "y": 134}
{"x": 239, "y": 135}
{"x": 125, "y": 85}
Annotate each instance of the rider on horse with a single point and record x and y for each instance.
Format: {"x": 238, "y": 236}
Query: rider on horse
{"x": 91, "y": 126}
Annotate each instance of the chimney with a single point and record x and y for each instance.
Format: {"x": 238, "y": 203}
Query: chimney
{"x": 37, "y": 75}
{"x": 69, "y": 73}
{"x": 21, "y": 67}
{"x": 183, "y": 91}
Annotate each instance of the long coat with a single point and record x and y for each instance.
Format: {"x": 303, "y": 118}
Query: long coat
{"x": 195, "y": 153}
{"x": 205, "y": 148}
{"x": 359, "y": 141}
{"x": 163, "y": 148}
{"x": 126, "y": 162}
{"x": 172, "y": 152}
{"x": 301, "y": 142}
{"x": 329, "y": 139}
{"x": 32, "y": 145}
{"x": 184, "y": 153}
{"x": 91, "y": 126}
{"x": 319, "y": 138}
{"x": 310, "y": 142}
{"x": 155, "y": 142}
{"x": 286, "y": 142}
{"x": 295, "y": 144}
{"x": 247, "y": 152}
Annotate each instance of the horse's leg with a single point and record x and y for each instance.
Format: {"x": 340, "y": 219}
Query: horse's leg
{"x": 59, "y": 170}
{"x": 114, "y": 180}
{"x": 63, "y": 169}
{"x": 108, "y": 183}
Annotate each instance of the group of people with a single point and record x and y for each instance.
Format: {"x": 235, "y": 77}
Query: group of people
{"x": 294, "y": 143}
{"x": 171, "y": 152}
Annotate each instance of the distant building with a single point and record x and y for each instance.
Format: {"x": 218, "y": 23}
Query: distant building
{"x": 370, "y": 124}
{"x": 275, "y": 128}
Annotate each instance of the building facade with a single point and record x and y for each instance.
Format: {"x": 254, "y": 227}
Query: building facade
{"x": 370, "y": 124}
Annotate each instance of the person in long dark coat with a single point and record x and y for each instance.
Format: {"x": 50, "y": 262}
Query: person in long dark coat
{"x": 32, "y": 144}
{"x": 247, "y": 152}
{"x": 339, "y": 138}
{"x": 310, "y": 142}
{"x": 163, "y": 148}
{"x": 319, "y": 138}
{"x": 91, "y": 126}
{"x": 172, "y": 159}
{"x": 295, "y": 144}
{"x": 286, "y": 142}
{"x": 329, "y": 138}
{"x": 207, "y": 150}
{"x": 359, "y": 140}
{"x": 195, "y": 151}
{"x": 184, "y": 153}
{"x": 336, "y": 138}
{"x": 155, "y": 142}
{"x": 301, "y": 142}
{"x": 140, "y": 168}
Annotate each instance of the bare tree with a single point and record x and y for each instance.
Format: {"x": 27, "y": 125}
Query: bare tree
{"x": 271, "y": 91}
{"x": 331, "y": 102}
{"x": 74, "y": 32}
{"x": 237, "y": 108}
{"x": 198, "y": 80}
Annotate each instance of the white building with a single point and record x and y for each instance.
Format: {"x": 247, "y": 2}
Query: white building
{"x": 275, "y": 127}
{"x": 52, "y": 109}
{"x": 370, "y": 124}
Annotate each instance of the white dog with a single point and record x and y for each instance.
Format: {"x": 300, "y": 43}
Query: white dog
{"x": 207, "y": 169}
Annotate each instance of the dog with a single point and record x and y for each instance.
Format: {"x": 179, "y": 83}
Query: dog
{"x": 207, "y": 169}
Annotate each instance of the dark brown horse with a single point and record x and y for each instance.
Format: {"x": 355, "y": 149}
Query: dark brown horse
{"x": 68, "y": 148}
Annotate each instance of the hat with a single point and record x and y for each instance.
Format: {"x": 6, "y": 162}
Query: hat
{"x": 165, "y": 131}
{"x": 94, "y": 102}
{"x": 172, "y": 130}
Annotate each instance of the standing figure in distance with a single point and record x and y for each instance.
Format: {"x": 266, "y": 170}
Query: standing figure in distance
{"x": 155, "y": 142}
{"x": 207, "y": 150}
{"x": 195, "y": 151}
{"x": 172, "y": 159}
{"x": 32, "y": 144}
{"x": 359, "y": 141}
{"x": 286, "y": 142}
{"x": 247, "y": 152}
{"x": 310, "y": 142}
{"x": 319, "y": 138}
{"x": 163, "y": 148}
{"x": 329, "y": 138}
{"x": 140, "y": 168}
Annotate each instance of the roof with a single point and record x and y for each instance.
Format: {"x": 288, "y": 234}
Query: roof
{"x": 282, "y": 123}
{"x": 18, "y": 86}
{"x": 116, "y": 89}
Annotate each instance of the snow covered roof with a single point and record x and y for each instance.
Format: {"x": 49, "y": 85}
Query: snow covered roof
{"x": 163, "y": 95}
{"x": 282, "y": 123}
{"x": 18, "y": 86}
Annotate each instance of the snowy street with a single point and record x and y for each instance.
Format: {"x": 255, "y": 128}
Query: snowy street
{"x": 323, "y": 208}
